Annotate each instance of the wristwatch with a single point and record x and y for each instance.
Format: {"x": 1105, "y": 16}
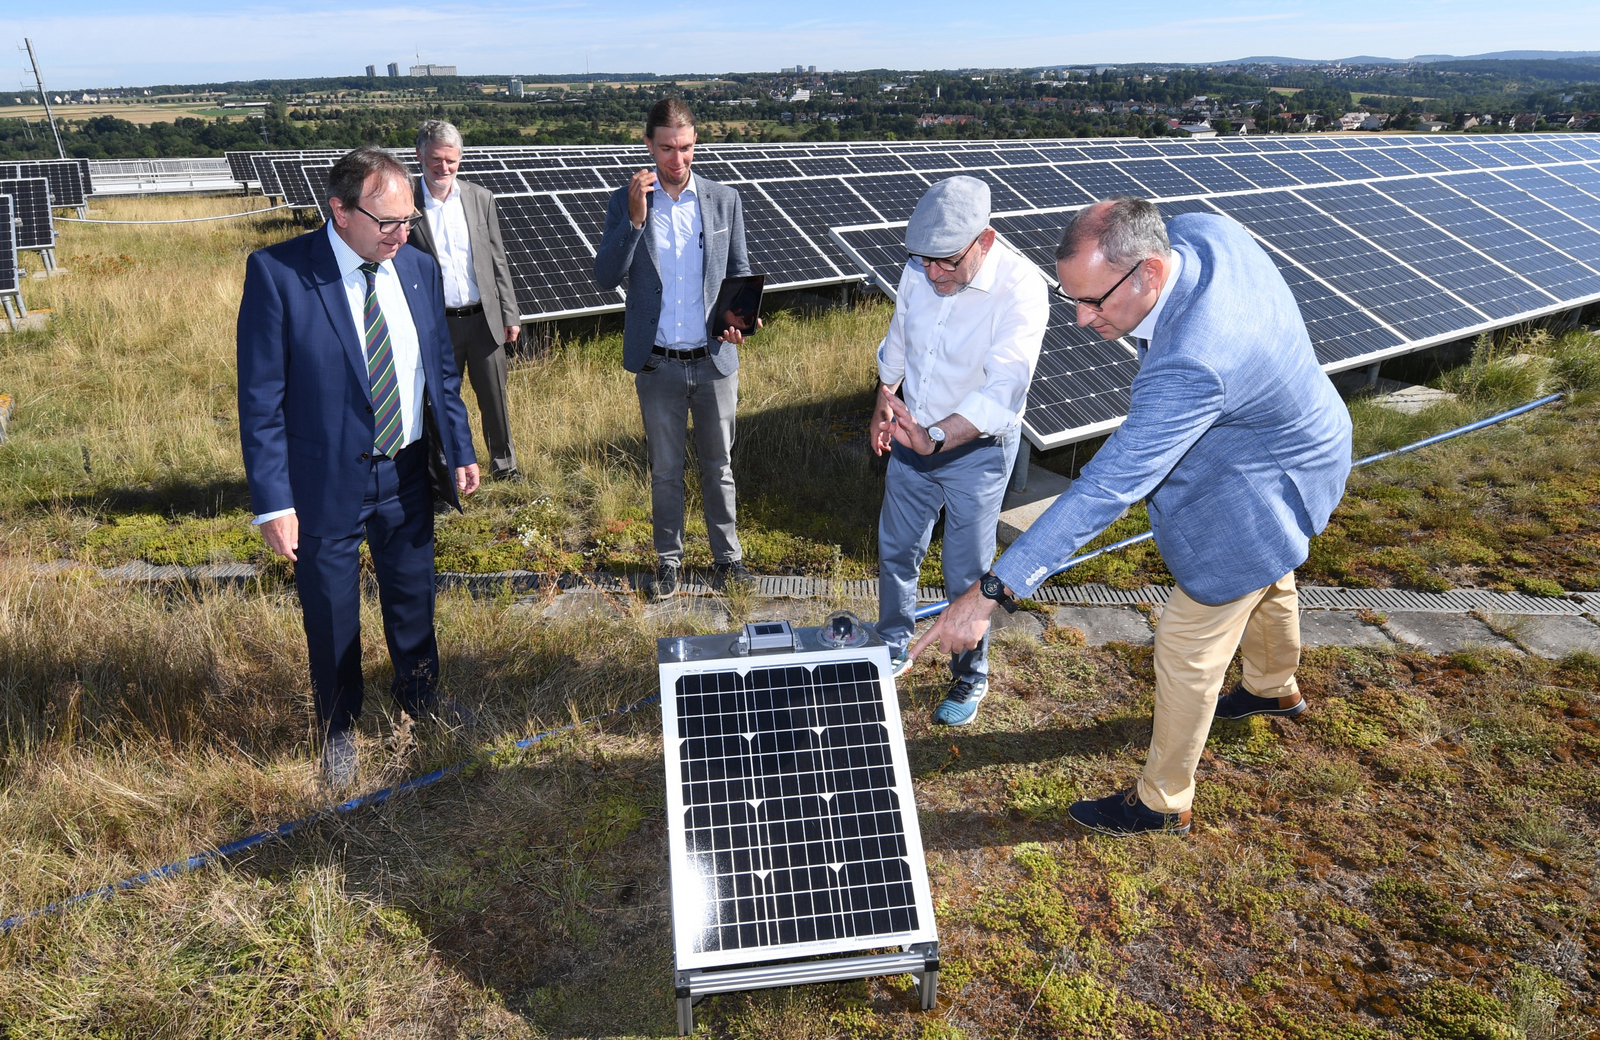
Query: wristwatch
{"x": 995, "y": 589}
{"x": 936, "y": 435}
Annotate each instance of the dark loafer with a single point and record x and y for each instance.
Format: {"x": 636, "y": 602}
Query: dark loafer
{"x": 1240, "y": 703}
{"x": 1123, "y": 815}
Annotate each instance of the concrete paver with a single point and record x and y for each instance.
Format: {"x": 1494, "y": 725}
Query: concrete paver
{"x": 1443, "y": 633}
{"x": 1339, "y": 628}
{"x": 1101, "y": 625}
{"x": 1554, "y": 636}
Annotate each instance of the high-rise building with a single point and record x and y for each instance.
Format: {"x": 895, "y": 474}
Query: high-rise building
{"x": 372, "y": 70}
{"x": 811, "y": 69}
{"x": 514, "y": 87}
{"x": 433, "y": 70}
{"x": 394, "y": 68}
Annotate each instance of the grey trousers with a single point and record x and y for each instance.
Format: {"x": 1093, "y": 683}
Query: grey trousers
{"x": 969, "y": 483}
{"x": 668, "y": 395}
{"x": 481, "y": 357}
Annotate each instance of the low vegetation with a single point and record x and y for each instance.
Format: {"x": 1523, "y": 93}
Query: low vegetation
{"x": 1413, "y": 858}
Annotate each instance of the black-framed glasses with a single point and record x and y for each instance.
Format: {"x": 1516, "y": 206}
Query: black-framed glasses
{"x": 1095, "y": 301}
{"x": 386, "y": 227}
{"x": 944, "y": 264}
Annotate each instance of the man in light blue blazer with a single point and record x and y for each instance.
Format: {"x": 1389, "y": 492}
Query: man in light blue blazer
{"x": 671, "y": 237}
{"x": 1239, "y": 446}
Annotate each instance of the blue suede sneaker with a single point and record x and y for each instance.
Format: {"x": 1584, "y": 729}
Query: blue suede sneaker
{"x": 960, "y": 705}
{"x": 1124, "y": 814}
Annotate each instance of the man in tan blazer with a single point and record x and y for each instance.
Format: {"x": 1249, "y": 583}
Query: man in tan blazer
{"x": 462, "y": 232}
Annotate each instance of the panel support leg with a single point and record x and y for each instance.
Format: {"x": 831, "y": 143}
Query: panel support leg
{"x": 1372, "y": 375}
{"x": 685, "y": 1003}
{"x": 11, "y": 313}
{"x": 1019, "y": 469}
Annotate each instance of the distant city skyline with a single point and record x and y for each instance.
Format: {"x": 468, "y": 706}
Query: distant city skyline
{"x": 102, "y": 43}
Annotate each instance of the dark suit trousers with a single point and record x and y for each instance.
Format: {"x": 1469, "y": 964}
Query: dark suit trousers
{"x": 481, "y": 357}
{"x": 397, "y": 523}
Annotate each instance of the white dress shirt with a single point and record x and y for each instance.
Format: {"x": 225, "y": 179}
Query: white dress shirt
{"x": 1147, "y": 328}
{"x": 452, "y": 246}
{"x": 402, "y": 336}
{"x": 680, "y": 249}
{"x": 973, "y": 352}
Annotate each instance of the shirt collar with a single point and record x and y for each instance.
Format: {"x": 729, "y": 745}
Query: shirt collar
{"x": 349, "y": 260}
{"x": 1146, "y": 328}
{"x": 430, "y": 202}
{"x": 692, "y": 188}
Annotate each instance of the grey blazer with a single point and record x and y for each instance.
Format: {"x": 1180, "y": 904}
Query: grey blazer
{"x": 620, "y": 260}
{"x": 489, "y": 264}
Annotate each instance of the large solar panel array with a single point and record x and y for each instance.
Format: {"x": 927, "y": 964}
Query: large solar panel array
{"x": 792, "y": 824}
{"x": 68, "y": 178}
{"x": 10, "y": 270}
{"x": 1389, "y": 245}
{"x": 31, "y": 216}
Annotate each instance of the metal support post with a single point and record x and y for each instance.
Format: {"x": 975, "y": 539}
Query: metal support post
{"x": 11, "y": 312}
{"x": 1372, "y": 375}
{"x": 1019, "y": 470}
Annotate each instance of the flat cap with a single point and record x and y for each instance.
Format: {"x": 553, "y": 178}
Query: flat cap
{"x": 948, "y": 216}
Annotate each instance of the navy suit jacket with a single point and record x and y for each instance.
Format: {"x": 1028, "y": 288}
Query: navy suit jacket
{"x": 305, "y": 412}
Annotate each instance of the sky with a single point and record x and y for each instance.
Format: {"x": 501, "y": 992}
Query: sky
{"x": 109, "y": 43}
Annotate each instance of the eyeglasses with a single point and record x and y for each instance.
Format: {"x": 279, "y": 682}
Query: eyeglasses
{"x": 945, "y": 265}
{"x": 1096, "y": 301}
{"x": 387, "y": 227}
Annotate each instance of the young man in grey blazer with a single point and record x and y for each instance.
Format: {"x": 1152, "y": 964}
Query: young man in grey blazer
{"x": 670, "y": 239}
{"x": 462, "y": 232}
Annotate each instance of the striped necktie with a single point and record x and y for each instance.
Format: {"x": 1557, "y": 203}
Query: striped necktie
{"x": 387, "y": 429}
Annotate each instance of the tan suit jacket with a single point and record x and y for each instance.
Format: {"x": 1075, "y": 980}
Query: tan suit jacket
{"x": 489, "y": 265}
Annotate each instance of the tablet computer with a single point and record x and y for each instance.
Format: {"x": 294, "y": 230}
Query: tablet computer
{"x": 738, "y": 305}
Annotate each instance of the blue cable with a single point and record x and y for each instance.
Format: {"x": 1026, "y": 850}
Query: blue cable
{"x": 233, "y": 848}
{"x": 933, "y": 609}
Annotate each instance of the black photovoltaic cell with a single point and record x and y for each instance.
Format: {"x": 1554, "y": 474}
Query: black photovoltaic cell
{"x": 481, "y": 165}
{"x": 1529, "y": 214}
{"x": 291, "y": 182}
{"x": 1044, "y": 186}
{"x": 1473, "y": 277}
{"x": 879, "y": 163}
{"x": 67, "y": 178}
{"x": 791, "y": 815}
{"x": 931, "y": 161}
{"x": 501, "y": 182}
{"x": 1451, "y": 158}
{"x": 1001, "y": 198}
{"x": 562, "y": 180}
{"x": 588, "y": 210}
{"x": 1034, "y": 235}
{"x": 1305, "y": 169}
{"x": 825, "y": 167}
{"x": 1500, "y": 153}
{"x": 1212, "y": 175}
{"x": 1258, "y": 170}
{"x": 551, "y": 265}
{"x": 1102, "y": 180}
{"x": 1535, "y": 261}
{"x": 1414, "y": 160}
{"x": 9, "y": 269}
{"x": 715, "y": 170}
{"x": 1060, "y": 154}
{"x": 976, "y": 157}
{"x": 777, "y": 250}
{"x": 817, "y": 206}
{"x": 1337, "y": 329}
{"x": 1333, "y": 253}
{"x": 30, "y": 211}
{"x": 760, "y": 169}
{"x": 1081, "y": 380}
{"x": 1139, "y": 150}
{"x": 317, "y": 178}
{"x": 532, "y": 162}
{"x": 1549, "y": 186}
{"x": 893, "y": 195}
{"x": 883, "y": 250}
{"x": 239, "y": 166}
{"x": 1380, "y": 165}
{"x": 1161, "y": 177}
{"x": 1343, "y": 165}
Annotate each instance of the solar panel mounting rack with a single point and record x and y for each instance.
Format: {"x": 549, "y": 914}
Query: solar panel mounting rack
{"x": 791, "y": 821}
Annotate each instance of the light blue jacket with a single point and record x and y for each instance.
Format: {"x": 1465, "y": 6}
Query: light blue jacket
{"x": 1235, "y": 437}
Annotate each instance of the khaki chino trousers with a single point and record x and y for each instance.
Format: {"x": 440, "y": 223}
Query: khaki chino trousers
{"x": 1193, "y": 646}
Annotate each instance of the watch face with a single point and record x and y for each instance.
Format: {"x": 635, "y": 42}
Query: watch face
{"x": 991, "y": 585}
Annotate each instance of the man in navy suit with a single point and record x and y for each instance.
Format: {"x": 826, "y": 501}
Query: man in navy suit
{"x": 351, "y": 423}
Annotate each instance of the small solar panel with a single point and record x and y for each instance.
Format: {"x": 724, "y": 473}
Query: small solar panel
{"x": 30, "y": 211}
{"x": 67, "y": 178}
{"x": 294, "y": 188}
{"x": 893, "y": 195}
{"x": 791, "y": 820}
{"x": 552, "y": 265}
{"x": 10, "y": 270}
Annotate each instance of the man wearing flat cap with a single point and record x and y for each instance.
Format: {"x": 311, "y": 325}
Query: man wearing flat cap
{"x": 969, "y": 316}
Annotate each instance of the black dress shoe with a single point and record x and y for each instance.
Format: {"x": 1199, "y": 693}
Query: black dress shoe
{"x": 722, "y": 573}
{"x": 1240, "y": 703}
{"x": 666, "y": 582}
{"x": 510, "y": 476}
{"x": 1123, "y": 815}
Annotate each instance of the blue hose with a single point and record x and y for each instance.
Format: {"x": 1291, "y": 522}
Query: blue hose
{"x": 233, "y": 848}
{"x": 933, "y": 609}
